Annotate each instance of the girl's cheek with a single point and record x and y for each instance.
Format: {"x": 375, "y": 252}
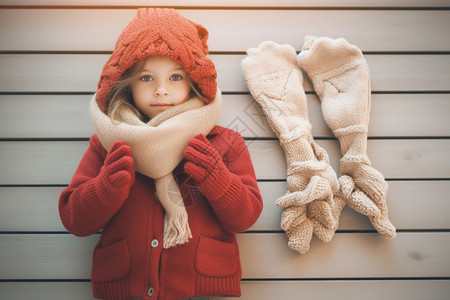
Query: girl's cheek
{"x": 141, "y": 91}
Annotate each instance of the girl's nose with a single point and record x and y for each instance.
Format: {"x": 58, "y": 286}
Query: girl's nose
{"x": 161, "y": 91}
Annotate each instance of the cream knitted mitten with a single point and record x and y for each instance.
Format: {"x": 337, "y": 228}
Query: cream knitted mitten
{"x": 275, "y": 81}
{"x": 340, "y": 76}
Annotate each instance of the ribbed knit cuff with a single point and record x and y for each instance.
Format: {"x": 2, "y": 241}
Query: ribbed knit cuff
{"x": 221, "y": 185}
{"x": 214, "y": 286}
{"x": 111, "y": 290}
{"x": 104, "y": 197}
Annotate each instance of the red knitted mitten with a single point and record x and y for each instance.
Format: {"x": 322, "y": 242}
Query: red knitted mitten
{"x": 206, "y": 167}
{"x": 118, "y": 169}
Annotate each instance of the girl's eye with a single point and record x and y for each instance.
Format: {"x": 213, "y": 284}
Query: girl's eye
{"x": 146, "y": 78}
{"x": 176, "y": 77}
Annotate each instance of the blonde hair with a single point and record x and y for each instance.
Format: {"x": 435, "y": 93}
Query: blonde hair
{"x": 120, "y": 96}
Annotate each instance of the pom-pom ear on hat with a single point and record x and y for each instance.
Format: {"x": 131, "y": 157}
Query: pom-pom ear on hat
{"x": 161, "y": 31}
{"x": 203, "y": 36}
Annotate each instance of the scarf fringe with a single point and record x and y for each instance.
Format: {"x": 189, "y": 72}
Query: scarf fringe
{"x": 176, "y": 229}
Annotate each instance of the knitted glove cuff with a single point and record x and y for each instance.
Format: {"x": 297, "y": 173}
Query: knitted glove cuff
{"x": 221, "y": 184}
{"x": 100, "y": 196}
{"x": 108, "y": 190}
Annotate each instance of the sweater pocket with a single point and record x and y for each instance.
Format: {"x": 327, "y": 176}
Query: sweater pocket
{"x": 216, "y": 258}
{"x": 111, "y": 262}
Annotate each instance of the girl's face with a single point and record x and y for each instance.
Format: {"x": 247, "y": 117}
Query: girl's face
{"x": 160, "y": 85}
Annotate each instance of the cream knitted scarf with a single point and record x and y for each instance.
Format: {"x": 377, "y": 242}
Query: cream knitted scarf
{"x": 157, "y": 148}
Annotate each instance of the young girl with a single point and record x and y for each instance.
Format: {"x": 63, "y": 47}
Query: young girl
{"x": 167, "y": 187}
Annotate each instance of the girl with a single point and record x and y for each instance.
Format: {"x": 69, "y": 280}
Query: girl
{"x": 167, "y": 187}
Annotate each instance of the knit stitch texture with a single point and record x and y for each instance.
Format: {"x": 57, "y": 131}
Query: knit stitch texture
{"x": 340, "y": 76}
{"x": 275, "y": 82}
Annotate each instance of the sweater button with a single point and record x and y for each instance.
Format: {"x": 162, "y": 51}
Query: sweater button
{"x": 155, "y": 243}
{"x": 150, "y": 291}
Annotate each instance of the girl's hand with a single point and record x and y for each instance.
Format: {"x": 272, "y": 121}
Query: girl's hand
{"x": 118, "y": 168}
{"x": 98, "y": 189}
{"x": 204, "y": 162}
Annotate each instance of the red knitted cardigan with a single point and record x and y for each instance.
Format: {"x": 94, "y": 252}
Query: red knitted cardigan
{"x": 129, "y": 260}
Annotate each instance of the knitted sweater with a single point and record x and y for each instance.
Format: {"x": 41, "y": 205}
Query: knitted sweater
{"x": 129, "y": 260}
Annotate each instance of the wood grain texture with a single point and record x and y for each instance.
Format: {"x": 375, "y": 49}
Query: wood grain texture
{"x": 67, "y": 116}
{"x": 70, "y": 73}
{"x": 261, "y": 290}
{"x": 51, "y": 162}
{"x": 238, "y": 3}
{"x": 51, "y": 59}
{"x": 30, "y": 209}
{"x": 348, "y": 255}
{"x": 371, "y": 30}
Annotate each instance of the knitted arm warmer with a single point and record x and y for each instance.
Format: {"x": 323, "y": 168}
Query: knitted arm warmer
{"x": 275, "y": 81}
{"x": 340, "y": 76}
{"x": 98, "y": 188}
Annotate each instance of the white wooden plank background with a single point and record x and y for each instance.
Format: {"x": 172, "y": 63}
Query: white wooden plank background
{"x": 42, "y": 162}
{"x": 235, "y": 3}
{"x": 396, "y": 30}
{"x": 80, "y": 72}
{"x": 50, "y": 62}
{"x": 35, "y": 208}
{"x": 261, "y": 290}
{"x": 414, "y": 115}
{"x": 264, "y": 255}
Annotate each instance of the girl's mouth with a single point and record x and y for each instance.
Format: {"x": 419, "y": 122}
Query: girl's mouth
{"x": 161, "y": 104}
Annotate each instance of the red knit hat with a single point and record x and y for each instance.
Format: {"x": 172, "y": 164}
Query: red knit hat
{"x": 161, "y": 31}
